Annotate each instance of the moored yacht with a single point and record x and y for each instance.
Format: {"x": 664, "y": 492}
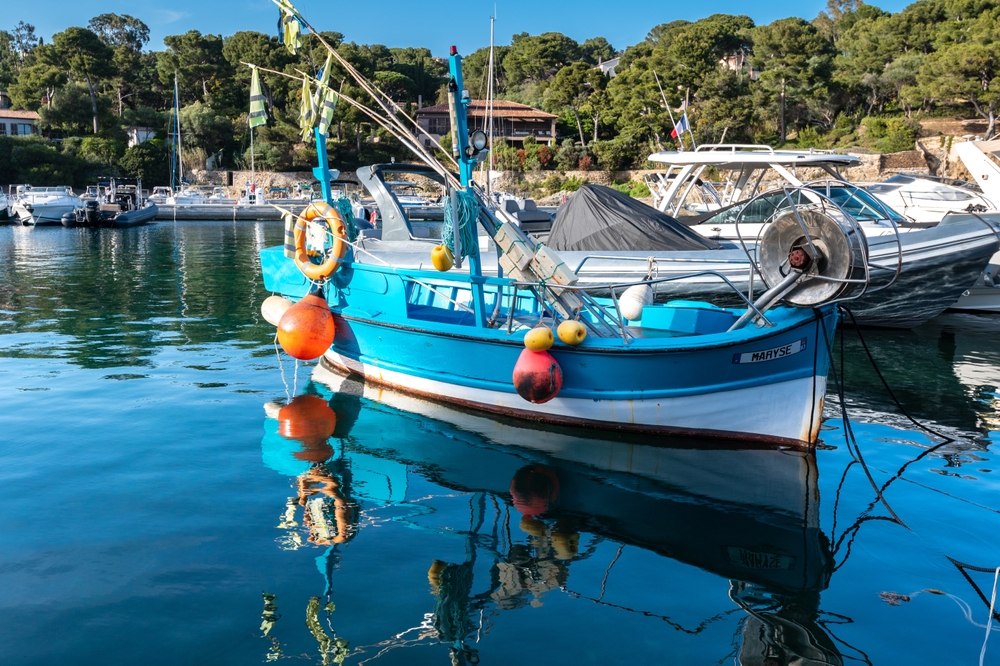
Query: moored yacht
{"x": 44, "y": 206}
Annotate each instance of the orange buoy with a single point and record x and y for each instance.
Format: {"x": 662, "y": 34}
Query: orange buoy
{"x": 534, "y": 489}
{"x": 306, "y": 329}
{"x": 537, "y": 376}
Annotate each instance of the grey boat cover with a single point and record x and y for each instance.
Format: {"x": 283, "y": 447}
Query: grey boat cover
{"x": 598, "y": 218}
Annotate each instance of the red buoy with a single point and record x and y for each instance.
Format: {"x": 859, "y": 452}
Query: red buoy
{"x": 308, "y": 419}
{"x": 306, "y": 330}
{"x": 537, "y": 376}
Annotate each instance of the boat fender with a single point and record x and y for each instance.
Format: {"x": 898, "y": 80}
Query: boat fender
{"x": 442, "y": 258}
{"x": 635, "y": 298}
{"x": 338, "y": 230}
{"x": 537, "y": 376}
{"x": 69, "y": 219}
{"x": 571, "y": 332}
{"x": 273, "y": 308}
{"x": 306, "y": 330}
{"x": 539, "y": 338}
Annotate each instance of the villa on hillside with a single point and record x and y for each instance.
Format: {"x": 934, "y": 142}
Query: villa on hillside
{"x": 18, "y": 123}
{"x": 511, "y": 121}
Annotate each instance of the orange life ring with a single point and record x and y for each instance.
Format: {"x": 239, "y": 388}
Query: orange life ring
{"x": 338, "y": 230}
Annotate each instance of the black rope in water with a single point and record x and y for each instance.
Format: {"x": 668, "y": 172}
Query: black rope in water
{"x": 849, "y": 432}
{"x": 888, "y": 389}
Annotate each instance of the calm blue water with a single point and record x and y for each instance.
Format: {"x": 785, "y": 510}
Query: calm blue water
{"x": 148, "y": 500}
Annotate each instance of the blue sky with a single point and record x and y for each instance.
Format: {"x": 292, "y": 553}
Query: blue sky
{"x": 434, "y": 25}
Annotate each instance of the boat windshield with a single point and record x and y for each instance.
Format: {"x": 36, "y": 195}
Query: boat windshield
{"x": 861, "y": 205}
{"x": 856, "y": 202}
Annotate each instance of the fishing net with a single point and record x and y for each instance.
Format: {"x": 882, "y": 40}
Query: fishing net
{"x": 468, "y": 214}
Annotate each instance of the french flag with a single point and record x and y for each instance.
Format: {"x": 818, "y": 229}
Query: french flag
{"x": 680, "y": 127}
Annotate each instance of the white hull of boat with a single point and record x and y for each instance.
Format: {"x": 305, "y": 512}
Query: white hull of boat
{"x": 41, "y": 214}
{"x": 773, "y": 419}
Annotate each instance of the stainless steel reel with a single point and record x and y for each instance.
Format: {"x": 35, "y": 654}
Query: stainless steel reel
{"x": 823, "y": 245}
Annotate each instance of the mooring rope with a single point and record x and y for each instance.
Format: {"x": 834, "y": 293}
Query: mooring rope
{"x": 871, "y": 359}
{"x": 989, "y": 622}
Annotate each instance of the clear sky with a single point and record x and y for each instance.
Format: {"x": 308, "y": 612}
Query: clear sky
{"x": 435, "y": 24}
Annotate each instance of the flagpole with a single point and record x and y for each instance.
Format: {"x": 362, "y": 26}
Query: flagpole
{"x": 666, "y": 104}
{"x": 253, "y": 171}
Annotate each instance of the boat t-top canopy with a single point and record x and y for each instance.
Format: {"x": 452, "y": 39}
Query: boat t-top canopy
{"x": 680, "y": 188}
{"x": 737, "y": 156}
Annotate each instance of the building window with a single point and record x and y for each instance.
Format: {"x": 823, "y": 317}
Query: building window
{"x": 3, "y": 129}
{"x": 438, "y": 125}
{"x": 23, "y": 129}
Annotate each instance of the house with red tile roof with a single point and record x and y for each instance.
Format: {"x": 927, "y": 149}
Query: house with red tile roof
{"x": 18, "y": 123}
{"x": 511, "y": 121}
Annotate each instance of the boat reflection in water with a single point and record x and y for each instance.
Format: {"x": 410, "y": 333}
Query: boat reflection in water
{"x": 747, "y": 515}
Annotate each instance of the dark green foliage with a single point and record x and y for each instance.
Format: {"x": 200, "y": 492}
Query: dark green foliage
{"x": 148, "y": 161}
{"x": 35, "y": 160}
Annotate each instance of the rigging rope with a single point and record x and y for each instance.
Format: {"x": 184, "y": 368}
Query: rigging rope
{"x": 468, "y": 213}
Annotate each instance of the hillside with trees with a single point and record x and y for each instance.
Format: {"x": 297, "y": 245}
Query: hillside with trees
{"x": 852, "y": 77}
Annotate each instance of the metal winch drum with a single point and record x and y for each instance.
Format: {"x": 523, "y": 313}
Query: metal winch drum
{"x": 841, "y": 248}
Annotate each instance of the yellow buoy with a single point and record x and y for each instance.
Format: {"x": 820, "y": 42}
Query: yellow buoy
{"x": 539, "y": 338}
{"x": 442, "y": 258}
{"x": 571, "y": 332}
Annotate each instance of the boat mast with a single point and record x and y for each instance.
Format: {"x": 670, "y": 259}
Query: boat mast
{"x": 489, "y": 106}
{"x": 177, "y": 133}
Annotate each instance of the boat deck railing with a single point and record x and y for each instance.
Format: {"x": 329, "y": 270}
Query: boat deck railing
{"x": 602, "y": 321}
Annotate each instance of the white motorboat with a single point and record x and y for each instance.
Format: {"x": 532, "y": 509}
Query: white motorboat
{"x": 219, "y": 196}
{"x": 160, "y": 195}
{"x": 927, "y": 199}
{"x": 44, "y": 206}
{"x": 683, "y": 190}
{"x": 188, "y": 197}
{"x": 5, "y": 214}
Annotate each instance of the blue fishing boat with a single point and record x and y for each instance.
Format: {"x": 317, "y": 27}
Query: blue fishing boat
{"x": 620, "y": 361}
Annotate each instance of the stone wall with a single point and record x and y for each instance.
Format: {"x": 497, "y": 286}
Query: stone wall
{"x": 933, "y": 156}
{"x": 234, "y": 181}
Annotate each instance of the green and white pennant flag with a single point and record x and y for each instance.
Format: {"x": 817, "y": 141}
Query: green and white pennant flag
{"x": 307, "y": 112}
{"x": 289, "y": 26}
{"x": 326, "y": 110}
{"x": 258, "y": 116}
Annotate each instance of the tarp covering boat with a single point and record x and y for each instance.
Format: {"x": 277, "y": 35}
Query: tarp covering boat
{"x": 600, "y": 218}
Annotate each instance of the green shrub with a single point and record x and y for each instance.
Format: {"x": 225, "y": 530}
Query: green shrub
{"x": 890, "y": 135}
{"x": 147, "y": 161}
{"x": 572, "y": 184}
{"x": 36, "y": 160}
